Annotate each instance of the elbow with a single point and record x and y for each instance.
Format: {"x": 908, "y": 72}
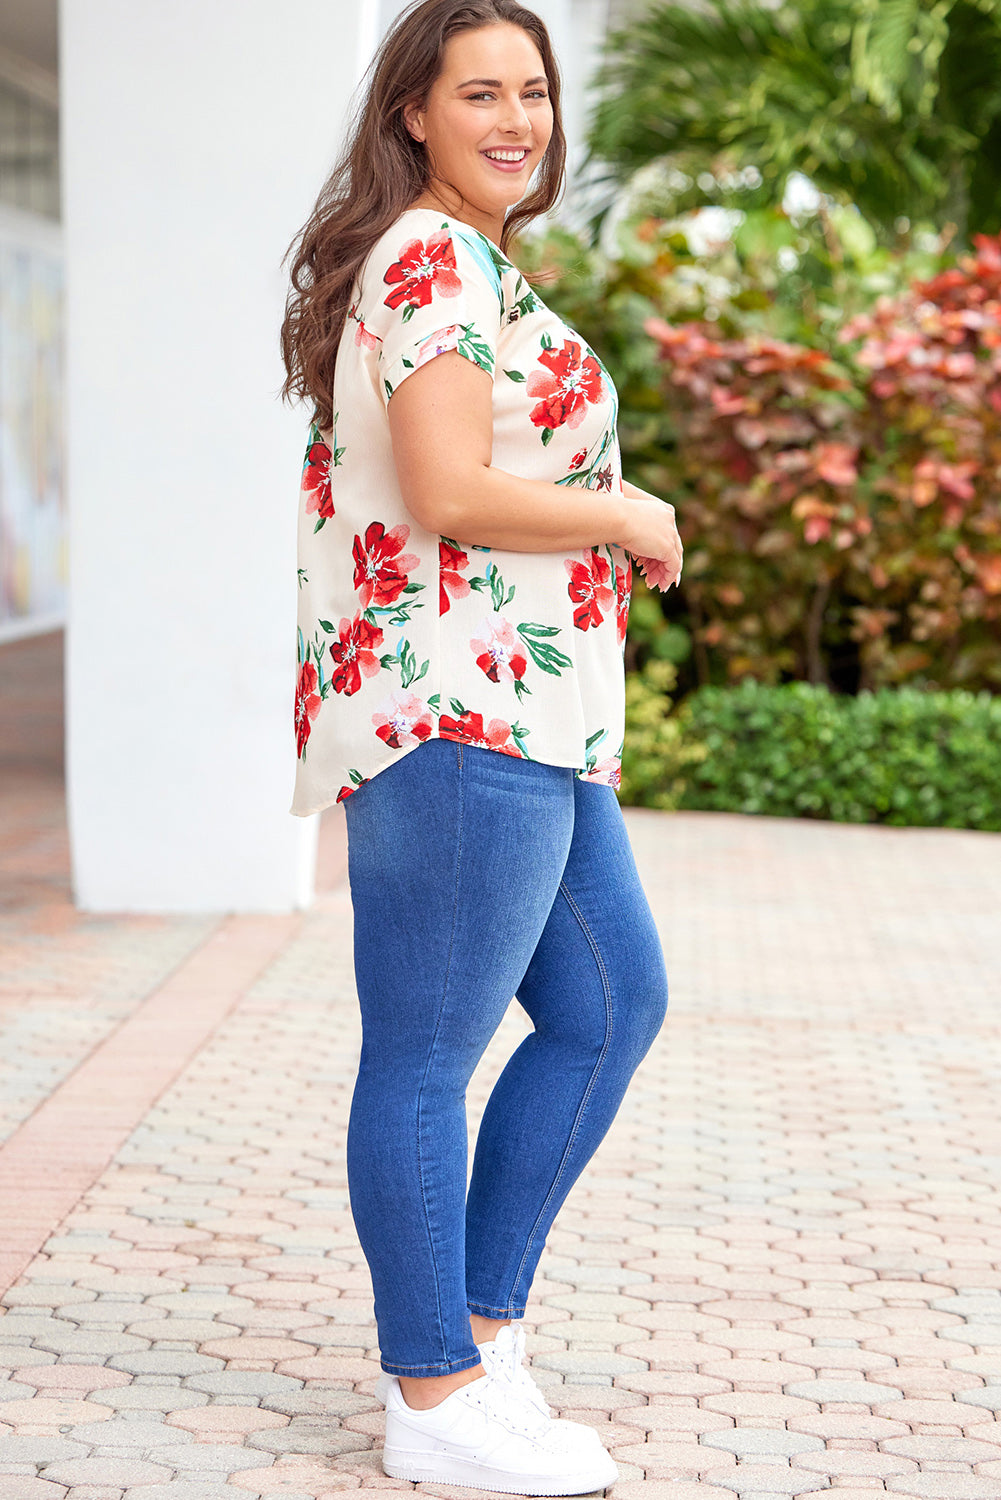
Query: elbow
{"x": 442, "y": 507}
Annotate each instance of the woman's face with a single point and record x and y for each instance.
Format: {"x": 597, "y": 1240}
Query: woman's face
{"x": 486, "y": 123}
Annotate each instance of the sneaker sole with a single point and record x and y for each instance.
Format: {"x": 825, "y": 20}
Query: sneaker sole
{"x": 445, "y": 1468}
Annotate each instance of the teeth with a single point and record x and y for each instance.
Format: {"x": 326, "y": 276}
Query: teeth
{"x": 506, "y": 155}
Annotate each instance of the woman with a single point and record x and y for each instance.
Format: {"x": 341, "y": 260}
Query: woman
{"x": 464, "y": 582}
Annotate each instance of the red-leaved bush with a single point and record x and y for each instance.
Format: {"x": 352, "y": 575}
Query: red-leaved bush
{"x": 853, "y": 506}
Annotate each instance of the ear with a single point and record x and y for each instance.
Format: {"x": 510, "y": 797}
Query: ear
{"x": 413, "y": 119}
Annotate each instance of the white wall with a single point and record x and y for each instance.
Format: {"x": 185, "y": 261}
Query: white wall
{"x": 194, "y": 139}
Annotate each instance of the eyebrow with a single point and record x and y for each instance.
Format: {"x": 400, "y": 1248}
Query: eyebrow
{"x": 495, "y": 83}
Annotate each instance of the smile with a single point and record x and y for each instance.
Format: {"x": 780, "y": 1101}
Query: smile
{"x": 507, "y": 158}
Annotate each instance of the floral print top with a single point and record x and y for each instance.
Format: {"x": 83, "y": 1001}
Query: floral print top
{"x": 404, "y": 635}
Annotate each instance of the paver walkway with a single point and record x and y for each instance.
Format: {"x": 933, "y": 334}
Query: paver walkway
{"x": 780, "y": 1275}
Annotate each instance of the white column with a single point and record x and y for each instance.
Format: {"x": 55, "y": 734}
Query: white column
{"x": 195, "y": 137}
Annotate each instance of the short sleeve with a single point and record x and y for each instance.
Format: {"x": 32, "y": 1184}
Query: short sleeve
{"x": 439, "y": 293}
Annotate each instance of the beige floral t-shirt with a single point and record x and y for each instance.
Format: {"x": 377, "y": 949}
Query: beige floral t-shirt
{"x": 404, "y": 635}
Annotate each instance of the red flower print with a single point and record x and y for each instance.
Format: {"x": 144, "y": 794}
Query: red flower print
{"x": 380, "y": 572}
{"x": 604, "y": 478}
{"x": 589, "y": 590}
{"x": 307, "y": 705}
{"x": 451, "y": 561}
{"x": 423, "y": 269}
{"x": 354, "y": 653}
{"x": 316, "y": 480}
{"x": 500, "y": 652}
{"x": 606, "y": 772}
{"x": 469, "y": 728}
{"x": 362, "y": 334}
{"x": 569, "y": 381}
{"x": 578, "y": 459}
{"x": 442, "y": 342}
{"x": 403, "y": 720}
{"x": 623, "y": 593}
{"x": 346, "y": 791}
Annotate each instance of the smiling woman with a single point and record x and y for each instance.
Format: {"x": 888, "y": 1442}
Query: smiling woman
{"x": 464, "y": 577}
{"x": 484, "y": 136}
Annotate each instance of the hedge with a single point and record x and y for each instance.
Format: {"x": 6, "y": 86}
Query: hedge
{"x": 900, "y": 756}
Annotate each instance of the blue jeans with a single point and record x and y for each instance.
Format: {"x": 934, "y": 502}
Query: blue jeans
{"x": 476, "y": 876}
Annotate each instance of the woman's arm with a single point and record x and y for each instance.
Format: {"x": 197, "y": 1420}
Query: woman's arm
{"x": 441, "y": 426}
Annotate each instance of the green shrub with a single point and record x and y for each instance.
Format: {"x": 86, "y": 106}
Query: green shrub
{"x": 898, "y": 756}
{"x": 658, "y": 756}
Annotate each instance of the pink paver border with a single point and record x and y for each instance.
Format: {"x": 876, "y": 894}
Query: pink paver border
{"x": 51, "y": 1160}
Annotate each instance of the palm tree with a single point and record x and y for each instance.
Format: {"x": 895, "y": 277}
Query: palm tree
{"x": 893, "y": 105}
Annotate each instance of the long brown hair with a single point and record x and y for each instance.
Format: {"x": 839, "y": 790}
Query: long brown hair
{"x": 381, "y": 173}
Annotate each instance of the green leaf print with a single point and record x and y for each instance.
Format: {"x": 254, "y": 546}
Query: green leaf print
{"x": 498, "y": 596}
{"x": 547, "y": 436}
{"x": 326, "y": 625}
{"x": 586, "y": 472}
{"x": 519, "y": 735}
{"x": 593, "y": 739}
{"x": 398, "y": 613}
{"x": 408, "y": 312}
{"x": 302, "y": 577}
{"x": 522, "y": 690}
{"x": 547, "y": 657}
{"x": 408, "y": 665}
{"x": 457, "y": 708}
{"x": 529, "y": 303}
{"x": 546, "y": 341}
{"x": 476, "y": 349}
{"x": 514, "y": 375}
{"x": 501, "y": 263}
{"x": 434, "y": 703}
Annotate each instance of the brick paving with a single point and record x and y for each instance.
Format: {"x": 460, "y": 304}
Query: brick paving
{"x": 780, "y": 1275}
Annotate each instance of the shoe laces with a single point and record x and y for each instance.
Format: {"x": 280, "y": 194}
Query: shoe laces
{"x": 509, "y": 1353}
{"x": 498, "y": 1399}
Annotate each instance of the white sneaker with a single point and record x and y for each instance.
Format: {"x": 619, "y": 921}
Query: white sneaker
{"x": 504, "y": 1355}
{"x": 489, "y": 1437}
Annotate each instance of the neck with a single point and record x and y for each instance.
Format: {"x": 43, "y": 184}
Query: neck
{"x": 439, "y": 196}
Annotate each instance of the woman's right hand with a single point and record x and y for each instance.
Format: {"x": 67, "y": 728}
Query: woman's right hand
{"x": 651, "y": 535}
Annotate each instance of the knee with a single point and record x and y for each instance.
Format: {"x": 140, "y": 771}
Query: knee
{"x": 641, "y": 1008}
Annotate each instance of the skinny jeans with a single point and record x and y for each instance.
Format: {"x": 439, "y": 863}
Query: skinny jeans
{"x": 476, "y": 876}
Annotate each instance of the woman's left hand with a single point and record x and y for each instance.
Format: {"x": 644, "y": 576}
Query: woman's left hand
{"x": 658, "y": 573}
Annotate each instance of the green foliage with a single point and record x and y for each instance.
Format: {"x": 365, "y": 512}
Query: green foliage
{"x": 897, "y": 756}
{"x": 833, "y": 454}
{"x": 892, "y": 105}
{"x": 658, "y": 757}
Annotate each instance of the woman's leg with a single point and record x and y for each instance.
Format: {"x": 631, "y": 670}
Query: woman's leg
{"x": 455, "y": 858}
{"x": 597, "y": 993}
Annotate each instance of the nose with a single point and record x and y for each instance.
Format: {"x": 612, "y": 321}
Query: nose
{"x": 516, "y": 121}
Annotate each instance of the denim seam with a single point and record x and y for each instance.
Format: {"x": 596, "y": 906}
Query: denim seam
{"x": 485, "y": 1310}
{"x": 582, "y": 1107}
{"x": 431, "y": 1049}
{"x": 447, "y": 1367}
